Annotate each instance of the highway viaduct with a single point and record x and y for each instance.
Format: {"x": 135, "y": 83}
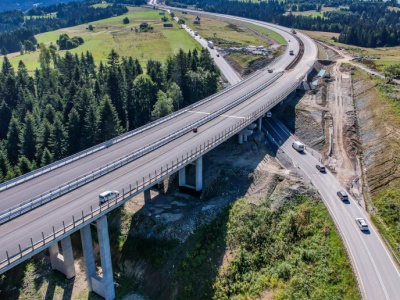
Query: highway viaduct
{"x": 42, "y": 209}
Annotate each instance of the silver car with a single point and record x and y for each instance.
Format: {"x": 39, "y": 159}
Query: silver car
{"x": 362, "y": 224}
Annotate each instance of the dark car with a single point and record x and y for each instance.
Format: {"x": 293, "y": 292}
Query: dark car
{"x": 195, "y": 129}
{"x": 343, "y": 195}
{"x": 320, "y": 168}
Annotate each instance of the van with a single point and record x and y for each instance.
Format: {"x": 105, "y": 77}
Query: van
{"x": 343, "y": 195}
{"x": 298, "y": 146}
{"x": 107, "y": 196}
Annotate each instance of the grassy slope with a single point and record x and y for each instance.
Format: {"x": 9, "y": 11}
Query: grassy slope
{"x": 291, "y": 253}
{"x": 113, "y": 34}
{"x": 383, "y": 175}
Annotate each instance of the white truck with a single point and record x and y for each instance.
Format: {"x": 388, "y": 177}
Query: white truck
{"x": 299, "y": 147}
{"x": 210, "y": 44}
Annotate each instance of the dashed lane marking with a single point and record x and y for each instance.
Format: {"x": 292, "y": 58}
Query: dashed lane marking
{"x": 206, "y": 113}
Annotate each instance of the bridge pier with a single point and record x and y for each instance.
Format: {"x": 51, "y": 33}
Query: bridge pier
{"x": 104, "y": 286}
{"x": 63, "y": 262}
{"x": 147, "y": 196}
{"x": 198, "y": 183}
{"x": 240, "y": 138}
{"x": 259, "y": 125}
{"x": 199, "y": 173}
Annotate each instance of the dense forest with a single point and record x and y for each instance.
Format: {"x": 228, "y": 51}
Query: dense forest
{"x": 366, "y": 24}
{"x": 71, "y": 104}
{"x": 25, "y": 5}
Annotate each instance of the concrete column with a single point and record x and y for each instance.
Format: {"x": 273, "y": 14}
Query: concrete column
{"x": 281, "y": 103}
{"x": 103, "y": 286}
{"x": 63, "y": 262}
{"x": 240, "y": 138}
{"x": 259, "y": 124}
{"x": 88, "y": 255}
{"x": 245, "y": 138}
{"x": 147, "y": 196}
{"x": 199, "y": 173}
{"x": 182, "y": 176}
{"x": 105, "y": 257}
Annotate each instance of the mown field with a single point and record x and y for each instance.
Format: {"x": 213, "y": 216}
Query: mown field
{"x": 226, "y": 33}
{"x": 388, "y": 55}
{"x": 111, "y": 34}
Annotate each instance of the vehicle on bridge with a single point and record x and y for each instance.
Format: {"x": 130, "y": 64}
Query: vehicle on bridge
{"x": 291, "y": 52}
{"x": 210, "y": 44}
{"x": 320, "y": 168}
{"x": 299, "y": 147}
{"x": 107, "y": 196}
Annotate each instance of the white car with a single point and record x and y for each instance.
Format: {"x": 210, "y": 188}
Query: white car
{"x": 362, "y": 224}
{"x": 107, "y": 196}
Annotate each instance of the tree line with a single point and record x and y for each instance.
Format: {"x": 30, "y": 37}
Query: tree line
{"x": 360, "y": 23}
{"x": 16, "y": 29}
{"x": 71, "y": 104}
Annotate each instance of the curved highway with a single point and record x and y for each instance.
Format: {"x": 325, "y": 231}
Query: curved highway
{"x": 40, "y": 221}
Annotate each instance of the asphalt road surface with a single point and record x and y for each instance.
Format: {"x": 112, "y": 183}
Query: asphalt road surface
{"x": 31, "y": 225}
{"x": 379, "y": 276}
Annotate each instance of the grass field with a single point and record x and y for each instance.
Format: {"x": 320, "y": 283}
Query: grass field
{"x": 228, "y": 34}
{"x": 388, "y": 55}
{"x": 272, "y": 34}
{"x": 111, "y": 34}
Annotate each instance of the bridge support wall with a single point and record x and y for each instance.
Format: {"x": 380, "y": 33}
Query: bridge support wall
{"x": 104, "y": 286}
{"x": 63, "y": 262}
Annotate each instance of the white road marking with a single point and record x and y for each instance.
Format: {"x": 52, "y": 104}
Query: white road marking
{"x": 199, "y": 112}
{"x": 237, "y": 117}
{"x": 206, "y": 113}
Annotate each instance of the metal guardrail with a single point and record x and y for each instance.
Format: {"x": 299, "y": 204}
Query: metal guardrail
{"x": 37, "y": 201}
{"x": 28, "y": 176}
{"x": 154, "y": 177}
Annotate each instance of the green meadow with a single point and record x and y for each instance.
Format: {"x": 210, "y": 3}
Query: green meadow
{"x": 111, "y": 34}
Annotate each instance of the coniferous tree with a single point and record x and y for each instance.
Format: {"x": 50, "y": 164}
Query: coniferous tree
{"x": 5, "y": 117}
{"x": 74, "y": 132}
{"x": 90, "y": 127}
{"x": 13, "y": 141}
{"x": 58, "y": 138}
{"x": 28, "y": 138}
{"x": 24, "y": 165}
{"x": 47, "y": 158}
{"x": 109, "y": 124}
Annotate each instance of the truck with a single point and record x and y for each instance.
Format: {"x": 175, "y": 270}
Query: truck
{"x": 210, "y": 44}
{"x": 299, "y": 147}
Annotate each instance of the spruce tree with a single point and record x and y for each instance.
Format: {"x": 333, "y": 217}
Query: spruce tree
{"x": 109, "y": 124}
{"x": 13, "y": 141}
{"x": 29, "y": 138}
{"x": 58, "y": 138}
{"x": 74, "y": 132}
{"x": 46, "y": 158}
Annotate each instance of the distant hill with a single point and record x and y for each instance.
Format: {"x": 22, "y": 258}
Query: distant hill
{"x": 25, "y": 5}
